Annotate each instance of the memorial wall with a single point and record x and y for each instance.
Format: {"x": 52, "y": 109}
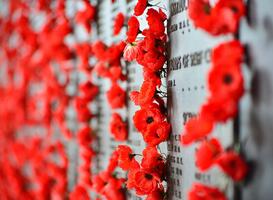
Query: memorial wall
{"x": 136, "y": 99}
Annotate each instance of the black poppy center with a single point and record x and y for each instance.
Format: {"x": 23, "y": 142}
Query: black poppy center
{"x": 232, "y": 164}
{"x": 131, "y": 156}
{"x": 234, "y": 9}
{"x": 228, "y": 79}
{"x": 149, "y": 120}
{"x": 207, "y": 8}
{"x": 148, "y": 176}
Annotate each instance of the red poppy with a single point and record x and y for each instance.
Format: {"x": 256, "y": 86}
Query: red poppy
{"x": 203, "y": 192}
{"x": 233, "y": 165}
{"x": 226, "y": 80}
{"x": 85, "y": 136}
{"x": 150, "y": 157}
{"x": 153, "y": 161}
{"x": 147, "y": 116}
{"x": 102, "y": 70}
{"x": 207, "y": 154}
{"x": 99, "y": 181}
{"x": 149, "y": 43}
{"x": 146, "y": 94}
{"x": 153, "y": 77}
{"x": 83, "y": 112}
{"x": 84, "y": 50}
{"x": 125, "y": 157}
{"x": 153, "y": 61}
{"x": 116, "y": 96}
{"x": 221, "y": 19}
{"x": 89, "y": 90}
{"x": 86, "y": 16}
{"x": 200, "y": 13}
{"x": 133, "y": 29}
{"x": 99, "y": 49}
{"x": 233, "y": 50}
{"x": 118, "y": 128}
{"x": 195, "y": 129}
{"x": 219, "y": 108}
{"x": 113, "y": 162}
{"x": 113, "y": 190}
{"x": 157, "y": 133}
{"x": 140, "y": 7}
{"x": 118, "y": 23}
{"x": 134, "y": 167}
{"x": 131, "y": 52}
{"x": 79, "y": 192}
{"x": 115, "y": 73}
{"x": 145, "y": 182}
{"x": 156, "y": 195}
{"x": 226, "y": 16}
{"x": 155, "y": 21}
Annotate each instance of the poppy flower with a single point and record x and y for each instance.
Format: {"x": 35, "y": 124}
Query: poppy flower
{"x": 134, "y": 167}
{"x": 219, "y": 108}
{"x": 155, "y": 21}
{"x": 207, "y": 153}
{"x": 140, "y": 7}
{"x": 156, "y": 195}
{"x": 147, "y": 116}
{"x": 236, "y": 6}
{"x": 153, "y": 60}
{"x": 118, "y": 23}
{"x": 79, "y": 192}
{"x": 153, "y": 77}
{"x": 125, "y": 157}
{"x": 83, "y": 51}
{"x": 146, "y": 94}
{"x": 226, "y": 80}
{"x": 116, "y": 96}
{"x": 133, "y": 29}
{"x": 113, "y": 190}
{"x": 145, "y": 182}
{"x": 203, "y": 192}
{"x": 99, "y": 50}
{"x": 157, "y": 133}
{"x": 113, "y": 162}
{"x": 149, "y": 42}
{"x": 99, "y": 181}
{"x": 153, "y": 161}
{"x": 223, "y": 18}
{"x": 150, "y": 157}
{"x": 115, "y": 73}
{"x": 83, "y": 112}
{"x": 226, "y": 16}
{"x": 200, "y": 13}
{"x": 86, "y": 16}
{"x": 118, "y": 128}
{"x": 233, "y": 165}
{"x": 195, "y": 129}
{"x": 89, "y": 90}
{"x": 85, "y": 136}
{"x": 102, "y": 70}
{"x": 233, "y": 50}
{"x": 131, "y": 51}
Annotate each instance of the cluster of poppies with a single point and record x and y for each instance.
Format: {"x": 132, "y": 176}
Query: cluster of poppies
{"x": 85, "y": 136}
{"x": 148, "y": 48}
{"x": 109, "y": 67}
{"x": 226, "y": 87}
{"x": 34, "y": 96}
{"x": 146, "y": 176}
{"x": 222, "y": 18}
